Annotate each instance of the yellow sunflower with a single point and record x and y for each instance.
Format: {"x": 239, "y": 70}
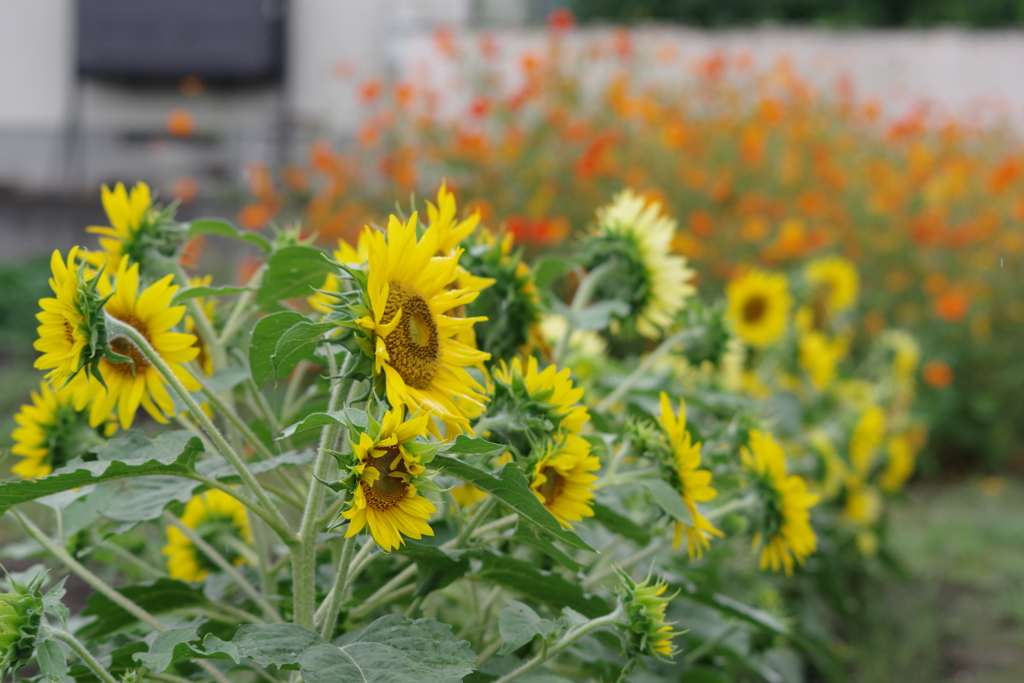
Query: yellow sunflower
{"x": 786, "y": 534}
{"x": 549, "y": 387}
{"x": 694, "y": 484}
{"x": 820, "y": 356}
{"x": 218, "y": 519}
{"x": 834, "y": 284}
{"x": 634, "y": 232}
{"x": 387, "y": 499}
{"x": 65, "y": 324}
{"x": 151, "y": 314}
{"x": 413, "y": 341}
{"x": 54, "y": 429}
{"x": 345, "y": 253}
{"x": 126, "y": 213}
{"x": 868, "y": 434}
{"x": 442, "y": 219}
{"x": 758, "y": 307}
{"x": 563, "y": 479}
{"x": 902, "y": 453}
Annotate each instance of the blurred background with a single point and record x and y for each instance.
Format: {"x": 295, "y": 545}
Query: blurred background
{"x": 886, "y": 130}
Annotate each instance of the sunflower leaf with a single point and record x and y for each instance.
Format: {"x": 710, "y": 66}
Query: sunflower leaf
{"x": 511, "y": 487}
{"x": 467, "y": 445}
{"x": 437, "y": 568}
{"x": 317, "y": 420}
{"x": 277, "y": 645}
{"x": 217, "y": 226}
{"x": 527, "y": 534}
{"x": 548, "y": 269}
{"x": 293, "y": 271}
{"x": 168, "y": 647}
{"x": 156, "y": 597}
{"x": 620, "y": 524}
{"x": 297, "y": 343}
{"x": 542, "y": 586}
{"x": 668, "y": 499}
{"x": 204, "y": 290}
{"x": 265, "y": 335}
{"x": 518, "y": 624}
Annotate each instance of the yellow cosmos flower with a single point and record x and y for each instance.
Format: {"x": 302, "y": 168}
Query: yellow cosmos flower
{"x": 150, "y": 312}
{"x": 54, "y": 429}
{"x": 414, "y": 343}
{"x": 551, "y": 387}
{"x": 442, "y": 219}
{"x": 563, "y": 479}
{"x": 664, "y": 279}
{"x": 694, "y": 484}
{"x": 834, "y": 284}
{"x": 787, "y": 534}
{"x": 65, "y": 327}
{"x": 126, "y": 213}
{"x": 386, "y": 499}
{"x": 221, "y": 521}
{"x": 758, "y": 307}
{"x": 866, "y": 439}
{"x": 820, "y": 356}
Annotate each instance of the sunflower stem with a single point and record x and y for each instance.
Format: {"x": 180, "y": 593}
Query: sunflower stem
{"x": 241, "y": 307}
{"x": 304, "y": 556}
{"x": 579, "y": 301}
{"x": 79, "y": 649}
{"x": 229, "y": 412}
{"x": 731, "y": 506}
{"x": 283, "y": 532}
{"x": 481, "y": 512}
{"x": 116, "y": 328}
{"x": 570, "y": 637}
{"x": 226, "y": 567}
{"x": 337, "y": 596}
{"x": 652, "y": 548}
{"x": 642, "y": 370}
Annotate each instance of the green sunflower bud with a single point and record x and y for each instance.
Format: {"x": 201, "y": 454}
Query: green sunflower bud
{"x": 20, "y": 615}
{"x": 648, "y": 632}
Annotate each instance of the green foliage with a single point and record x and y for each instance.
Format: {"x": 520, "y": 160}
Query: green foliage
{"x": 293, "y": 271}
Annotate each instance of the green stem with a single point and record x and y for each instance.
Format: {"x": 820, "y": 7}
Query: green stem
{"x": 241, "y": 305}
{"x": 304, "y": 556}
{"x": 642, "y": 370}
{"x": 337, "y": 596}
{"x": 385, "y": 593}
{"x": 482, "y": 511}
{"x": 579, "y": 301}
{"x": 652, "y": 549}
{"x": 203, "y": 325}
{"x": 570, "y": 637}
{"x": 116, "y": 328}
{"x": 80, "y": 650}
{"x": 280, "y": 527}
{"x": 268, "y": 610}
{"x": 696, "y": 653}
{"x": 133, "y": 559}
{"x": 731, "y": 506}
{"x": 222, "y": 406}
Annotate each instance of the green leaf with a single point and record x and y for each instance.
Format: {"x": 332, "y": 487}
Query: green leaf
{"x": 53, "y": 601}
{"x": 204, "y": 290}
{"x": 527, "y": 534}
{"x": 548, "y": 269}
{"x": 317, "y": 420}
{"x": 142, "y": 499}
{"x": 518, "y": 624}
{"x": 620, "y": 524}
{"x": 216, "y": 226}
{"x": 120, "y": 662}
{"x": 222, "y": 470}
{"x": 264, "y": 340}
{"x": 156, "y": 597}
{"x": 169, "y": 646}
{"x": 544, "y": 587}
{"x": 293, "y": 272}
{"x": 668, "y": 499}
{"x": 471, "y": 445}
{"x": 297, "y": 343}
{"x": 597, "y": 316}
{"x": 391, "y": 649}
{"x": 277, "y": 645}
{"x": 226, "y": 379}
{"x": 437, "y": 568}
{"x": 52, "y": 662}
{"x": 510, "y": 486}
{"x": 130, "y": 455}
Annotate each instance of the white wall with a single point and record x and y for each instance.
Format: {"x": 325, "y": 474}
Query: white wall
{"x": 36, "y": 62}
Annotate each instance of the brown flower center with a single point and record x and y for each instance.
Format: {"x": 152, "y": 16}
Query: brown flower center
{"x": 553, "y": 485}
{"x": 69, "y": 333}
{"x": 414, "y": 345}
{"x": 389, "y": 489}
{"x": 122, "y": 346}
{"x": 754, "y": 309}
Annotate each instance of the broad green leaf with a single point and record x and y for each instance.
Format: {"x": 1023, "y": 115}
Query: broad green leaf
{"x": 293, "y": 272}
{"x": 317, "y": 420}
{"x": 226, "y": 379}
{"x": 703, "y": 674}
{"x": 140, "y": 499}
{"x": 597, "y": 316}
{"x": 518, "y": 624}
{"x": 130, "y": 455}
{"x": 510, "y": 486}
{"x": 545, "y": 587}
{"x": 437, "y": 568}
{"x": 264, "y": 340}
{"x": 297, "y": 343}
{"x": 52, "y": 663}
{"x": 204, "y": 290}
{"x": 668, "y": 499}
{"x": 168, "y": 647}
{"x": 162, "y": 595}
{"x": 620, "y": 524}
{"x": 548, "y": 269}
{"x": 216, "y": 226}
{"x": 527, "y": 534}
{"x": 277, "y": 645}
{"x": 471, "y": 445}
{"x": 391, "y": 649}
{"x": 53, "y": 601}
{"x": 222, "y": 470}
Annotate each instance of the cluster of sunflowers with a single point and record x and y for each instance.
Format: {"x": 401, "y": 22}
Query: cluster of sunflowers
{"x": 759, "y": 165}
{"x": 421, "y": 433}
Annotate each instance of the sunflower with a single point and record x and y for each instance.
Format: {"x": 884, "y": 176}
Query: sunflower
{"x": 786, "y": 533}
{"x": 636, "y": 240}
{"x": 442, "y": 219}
{"x": 129, "y": 385}
{"x": 759, "y": 304}
{"x": 221, "y": 521}
{"x": 819, "y": 357}
{"x": 648, "y": 632}
{"x": 906, "y": 354}
{"x": 550, "y": 390}
{"x": 868, "y": 434}
{"x": 387, "y": 497}
{"x": 345, "y": 253}
{"x": 834, "y": 283}
{"x": 411, "y": 339}
{"x": 693, "y": 483}
{"x": 54, "y": 429}
{"x": 902, "y": 452}
{"x": 128, "y": 214}
{"x": 563, "y": 479}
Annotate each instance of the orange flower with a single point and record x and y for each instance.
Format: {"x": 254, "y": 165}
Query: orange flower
{"x": 369, "y": 91}
{"x": 953, "y": 306}
{"x": 701, "y": 223}
{"x": 185, "y": 189}
{"x": 181, "y": 123}
{"x": 254, "y": 216}
{"x": 561, "y": 19}
{"x": 937, "y": 374}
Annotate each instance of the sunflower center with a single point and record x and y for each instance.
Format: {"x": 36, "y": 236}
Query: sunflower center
{"x": 122, "y": 346}
{"x": 553, "y": 485}
{"x": 754, "y": 309}
{"x": 391, "y": 486}
{"x": 414, "y": 345}
{"x": 69, "y": 333}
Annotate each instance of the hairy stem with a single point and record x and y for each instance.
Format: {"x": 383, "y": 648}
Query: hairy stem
{"x": 642, "y": 370}
{"x": 337, "y": 595}
{"x": 80, "y": 650}
{"x": 579, "y": 301}
{"x": 222, "y": 406}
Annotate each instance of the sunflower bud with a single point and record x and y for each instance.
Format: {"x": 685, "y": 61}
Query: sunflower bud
{"x": 648, "y": 632}
{"x": 20, "y": 615}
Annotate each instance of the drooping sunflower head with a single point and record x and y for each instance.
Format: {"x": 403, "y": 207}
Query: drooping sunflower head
{"x": 138, "y": 229}
{"x": 834, "y": 283}
{"x": 450, "y": 231}
{"x": 529, "y": 406}
{"x": 21, "y": 614}
{"x": 72, "y": 332}
{"x": 388, "y": 469}
{"x": 131, "y": 384}
{"x": 564, "y": 479}
{"x": 819, "y": 356}
{"x": 633, "y": 240}
{"x": 648, "y": 632}
{"x": 407, "y": 294}
{"x": 784, "y": 533}
{"x": 220, "y": 520}
{"x": 681, "y": 466}
{"x": 758, "y": 307}
{"x": 54, "y": 429}
{"x": 511, "y": 304}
